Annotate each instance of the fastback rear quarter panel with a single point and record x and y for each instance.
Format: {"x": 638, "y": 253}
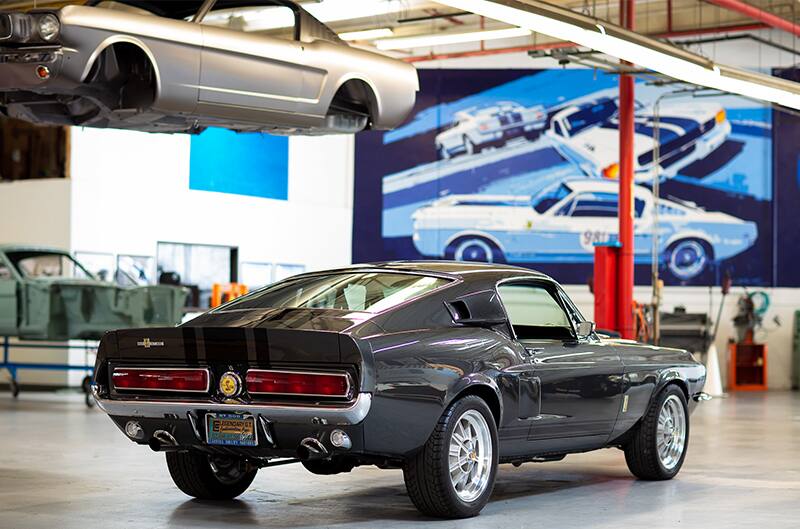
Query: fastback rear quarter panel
{"x": 418, "y": 373}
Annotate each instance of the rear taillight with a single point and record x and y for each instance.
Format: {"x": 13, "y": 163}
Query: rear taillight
{"x": 303, "y": 384}
{"x": 163, "y": 379}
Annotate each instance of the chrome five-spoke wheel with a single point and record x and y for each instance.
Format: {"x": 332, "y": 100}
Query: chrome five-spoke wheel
{"x": 452, "y": 475}
{"x": 657, "y": 446}
{"x": 671, "y": 432}
{"x": 470, "y": 456}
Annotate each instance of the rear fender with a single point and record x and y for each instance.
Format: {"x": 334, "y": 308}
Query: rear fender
{"x": 481, "y": 385}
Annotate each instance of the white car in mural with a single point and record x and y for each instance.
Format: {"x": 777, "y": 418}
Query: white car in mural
{"x": 479, "y": 127}
{"x": 588, "y": 135}
{"x": 564, "y": 222}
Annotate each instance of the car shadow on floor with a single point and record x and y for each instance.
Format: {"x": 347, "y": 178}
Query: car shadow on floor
{"x": 364, "y": 504}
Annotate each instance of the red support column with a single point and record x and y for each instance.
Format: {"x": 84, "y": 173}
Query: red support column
{"x": 626, "y": 138}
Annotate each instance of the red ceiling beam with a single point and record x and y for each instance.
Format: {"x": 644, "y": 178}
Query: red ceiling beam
{"x": 759, "y": 14}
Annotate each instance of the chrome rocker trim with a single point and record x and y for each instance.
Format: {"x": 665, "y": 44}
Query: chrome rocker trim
{"x": 352, "y": 414}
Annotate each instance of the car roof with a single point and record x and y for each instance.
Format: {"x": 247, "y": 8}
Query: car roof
{"x": 456, "y": 269}
{"x": 180, "y": 9}
{"x": 595, "y": 184}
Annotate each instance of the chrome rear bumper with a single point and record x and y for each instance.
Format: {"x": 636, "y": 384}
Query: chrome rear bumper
{"x": 353, "y": 413}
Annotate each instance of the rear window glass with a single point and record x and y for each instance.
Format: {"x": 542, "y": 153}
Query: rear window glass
{"x": 358, "y": 291}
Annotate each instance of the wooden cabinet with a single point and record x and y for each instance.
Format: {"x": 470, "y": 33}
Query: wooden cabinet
{"x": 748, "y": 367}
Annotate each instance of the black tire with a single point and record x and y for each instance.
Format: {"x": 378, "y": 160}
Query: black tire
{"x": 470, "y": 148}
{"x": 700, "y": 259}
{"x": 484, "y": 251}
{"x": 192, "y": 472}
{"x": 427, "y": 473}
{"x": 641, "y": 451}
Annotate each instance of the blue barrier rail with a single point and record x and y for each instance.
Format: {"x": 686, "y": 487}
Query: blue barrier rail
{"x": 13, "y": 367}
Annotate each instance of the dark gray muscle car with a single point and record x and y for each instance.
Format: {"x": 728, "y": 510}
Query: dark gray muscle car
{"x": 443, "y": 369}
{"x": 181, "y": 66}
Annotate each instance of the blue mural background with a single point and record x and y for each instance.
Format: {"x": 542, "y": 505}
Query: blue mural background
{"x": 402, "y": 171}
{"x": 252, "y": 163}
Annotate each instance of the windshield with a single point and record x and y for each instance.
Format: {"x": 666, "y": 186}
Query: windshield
{"x": 550, "y": 197}
{"x": 357, "y": 291}
{"x": 35, "y": 265}
{"x": 590, "y": 115}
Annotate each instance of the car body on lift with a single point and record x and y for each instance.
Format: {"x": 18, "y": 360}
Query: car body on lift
{"x": 495, "y": 124}
{"x": 136, "y": 64}
{"x": 444, "y": 369}
{"x": 588, "y": 135}
{"x": 564, "y": 222}
{"x": 45, "y": 294}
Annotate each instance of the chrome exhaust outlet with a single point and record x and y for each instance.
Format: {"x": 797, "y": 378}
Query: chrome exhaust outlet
{"x": 162, "y": 441}
{"x": 701, "y": 397}
{"x": 312, "y": 448}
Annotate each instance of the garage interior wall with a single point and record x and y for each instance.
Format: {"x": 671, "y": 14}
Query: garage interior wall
{"x": 129, "y": 190}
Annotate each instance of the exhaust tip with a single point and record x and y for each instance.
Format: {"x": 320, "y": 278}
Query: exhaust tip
{"x": 162, "y": 440}
{"x": 311, "y": 448}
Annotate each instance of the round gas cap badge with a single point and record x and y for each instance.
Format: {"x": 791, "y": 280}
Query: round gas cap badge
{"x": 230, "y": 384}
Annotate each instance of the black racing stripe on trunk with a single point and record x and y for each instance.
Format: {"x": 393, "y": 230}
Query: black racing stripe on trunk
{"x": 190, "y": 344}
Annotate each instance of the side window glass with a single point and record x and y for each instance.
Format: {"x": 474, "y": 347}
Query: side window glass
{"x": 638, "y": 207}
{"x": 566, "y": 209}
{"x": 595, "y": 205}
{"x": 534, "y": 313}
{"x": 271, "y": 21}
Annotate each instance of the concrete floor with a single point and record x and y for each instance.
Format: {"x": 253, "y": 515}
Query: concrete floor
{"x": 64, "y": 466}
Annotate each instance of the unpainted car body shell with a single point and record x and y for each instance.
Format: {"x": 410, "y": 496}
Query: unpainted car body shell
{"x": 248, "y": 81}
{"x": 55, "y": 308}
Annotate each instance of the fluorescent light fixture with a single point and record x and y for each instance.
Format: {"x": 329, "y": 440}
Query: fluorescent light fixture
{"x": 637, "y": 49}
{"x": 367, "y": 34}
{"x": 441, "y": 39}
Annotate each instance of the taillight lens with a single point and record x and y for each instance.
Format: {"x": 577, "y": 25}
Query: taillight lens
{"x": 181, "y": 380}
{"x": 304, "y": 384}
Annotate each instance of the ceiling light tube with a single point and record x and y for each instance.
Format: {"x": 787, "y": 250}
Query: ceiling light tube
{"x": 637, "y": 49}
{"x": 367, "y": 34}
{"x": 441, "y": 39}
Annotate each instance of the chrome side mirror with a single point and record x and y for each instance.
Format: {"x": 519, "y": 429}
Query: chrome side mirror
{"x": 585, "y": 330}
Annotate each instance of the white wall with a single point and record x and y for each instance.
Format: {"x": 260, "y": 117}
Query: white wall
{"x": 131, "y": 190}
{"x": 35, "y": 212}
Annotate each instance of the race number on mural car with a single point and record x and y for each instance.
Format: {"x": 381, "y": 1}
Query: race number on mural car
{"x": 564, "y": 222}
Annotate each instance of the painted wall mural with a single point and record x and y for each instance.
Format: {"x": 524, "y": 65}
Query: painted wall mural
{"x": 521, "y": 166}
